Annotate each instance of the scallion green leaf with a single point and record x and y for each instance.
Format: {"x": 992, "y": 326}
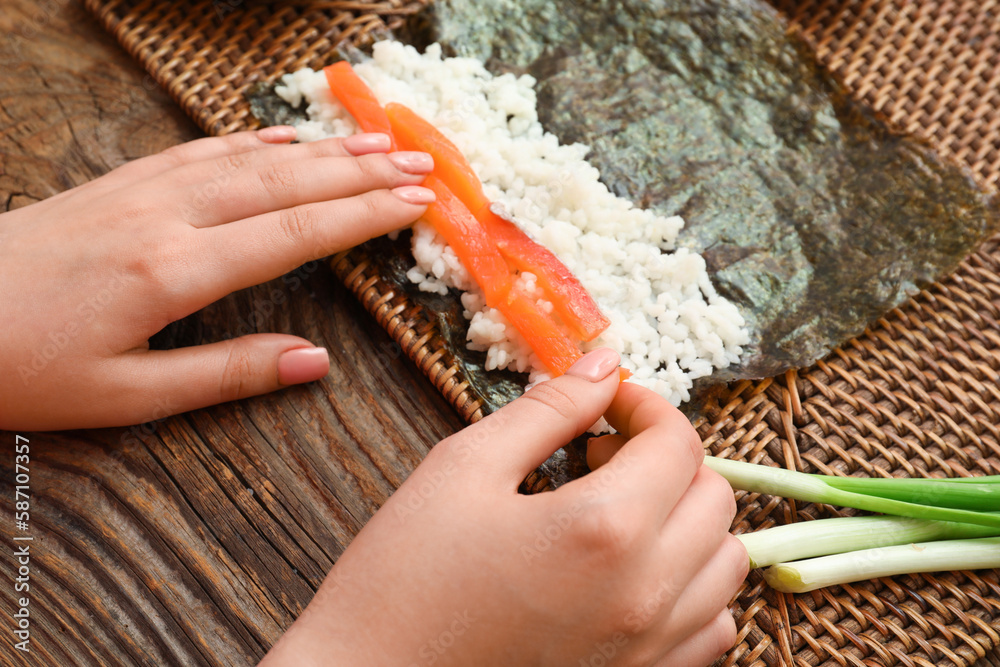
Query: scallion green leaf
{"x": 816, "y": 489}
{"x": 981, "y": 494}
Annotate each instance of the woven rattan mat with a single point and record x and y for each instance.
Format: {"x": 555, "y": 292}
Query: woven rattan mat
{"x": 916, "y": 394}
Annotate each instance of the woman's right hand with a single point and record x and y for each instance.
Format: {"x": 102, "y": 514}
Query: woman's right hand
{"x": 631, "y": 565}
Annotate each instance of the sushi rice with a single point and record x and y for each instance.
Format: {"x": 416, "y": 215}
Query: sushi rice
{"x": 667, "y": 321}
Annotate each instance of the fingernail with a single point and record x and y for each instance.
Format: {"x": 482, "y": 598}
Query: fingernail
{"x": 596, "y": 365}
{"x": 363, "y": 144}
{"x": 304, "y": 364}
{"x": 414, "y": 194}
{"x": 278, "y": 134}
{"x": 412, "y": 162}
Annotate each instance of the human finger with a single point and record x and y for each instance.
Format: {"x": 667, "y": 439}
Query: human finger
{"x": 270, "y": 183}
{"x": 213, "y": 148}
{"x": 602, "y": 448}
{"x": 180, "y": 159}
{"x": 189, "y": 378}
{"x": 206, "y": 148}
{"x": 711, "y": 589}
{"x": 217, "y": 164}
{"x": 258, "y": 249}
{"x": 699, "y": 523}
{"x": 706, "y": 645}
{"x": 661, "y": 456}
{"x": 516, "y": 439}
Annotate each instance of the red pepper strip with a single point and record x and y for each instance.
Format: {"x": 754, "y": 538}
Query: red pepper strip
{"x": 358, "y": 99}
{"x": 416, "y": 134}
{"x": 477, "y": 251}
{"x": 552, "y": 347}
{"x": 569, "y": 298}
{"x": 473, "y": 246}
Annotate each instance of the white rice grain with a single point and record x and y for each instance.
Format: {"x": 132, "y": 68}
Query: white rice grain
{"x": 667, "y": 321}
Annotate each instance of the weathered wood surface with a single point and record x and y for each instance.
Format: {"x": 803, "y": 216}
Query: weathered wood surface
{"x": 194, "y": 540}
{"x": 197, "y": 539}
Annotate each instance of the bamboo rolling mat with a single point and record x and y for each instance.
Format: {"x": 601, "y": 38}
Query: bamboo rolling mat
{"x": 915, "y": 395}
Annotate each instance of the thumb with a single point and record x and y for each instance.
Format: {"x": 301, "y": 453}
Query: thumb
{"x": 519, "y": 437}
{"x": 188, "y": 378}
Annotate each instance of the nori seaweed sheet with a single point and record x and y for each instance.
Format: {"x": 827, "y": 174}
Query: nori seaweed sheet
{"x": 494, "y": 388}
{"x": 814, "y": 218}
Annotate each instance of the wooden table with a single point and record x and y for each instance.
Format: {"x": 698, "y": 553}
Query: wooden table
{"x": 194, "y": 540}
{"x": 197, "y": 539}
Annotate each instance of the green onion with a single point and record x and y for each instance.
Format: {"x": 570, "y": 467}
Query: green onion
{"x": 833, "y": 536}
{"x": 807, "y": 575}
{"x": 969, "y": 493}
{"x": 818, "y": 489}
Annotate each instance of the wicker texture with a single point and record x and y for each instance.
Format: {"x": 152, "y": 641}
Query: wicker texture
{"x": 205, "y": 54}
{"x": 915, "y": 395}
{"x": 933, "y": 68}
{"x": 409, "y": 326}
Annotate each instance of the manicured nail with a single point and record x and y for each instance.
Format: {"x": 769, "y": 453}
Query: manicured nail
{"x": 363, "y": 144}
{"x": 414, "y": 194}
{"x": 412, "y": 162}
{"x": 304, "y": 364}
{"x": 596, "y": 365}
{"x": 279, "y": 134}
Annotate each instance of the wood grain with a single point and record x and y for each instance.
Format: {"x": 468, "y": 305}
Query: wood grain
{"x": 193, "y": 540}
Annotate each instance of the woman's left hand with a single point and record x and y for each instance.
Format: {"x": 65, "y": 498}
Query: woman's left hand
{"x": 91, "y": 274}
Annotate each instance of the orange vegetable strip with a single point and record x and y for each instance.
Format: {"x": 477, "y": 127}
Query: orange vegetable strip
{"x": 552, "y": 347}
{"x": 569, "y": 298}
{"x": 479, "y": 254}
{"x": 473, "y": 246}
{"x": 416, "y": 134}
{"x": 358, "y": 99}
